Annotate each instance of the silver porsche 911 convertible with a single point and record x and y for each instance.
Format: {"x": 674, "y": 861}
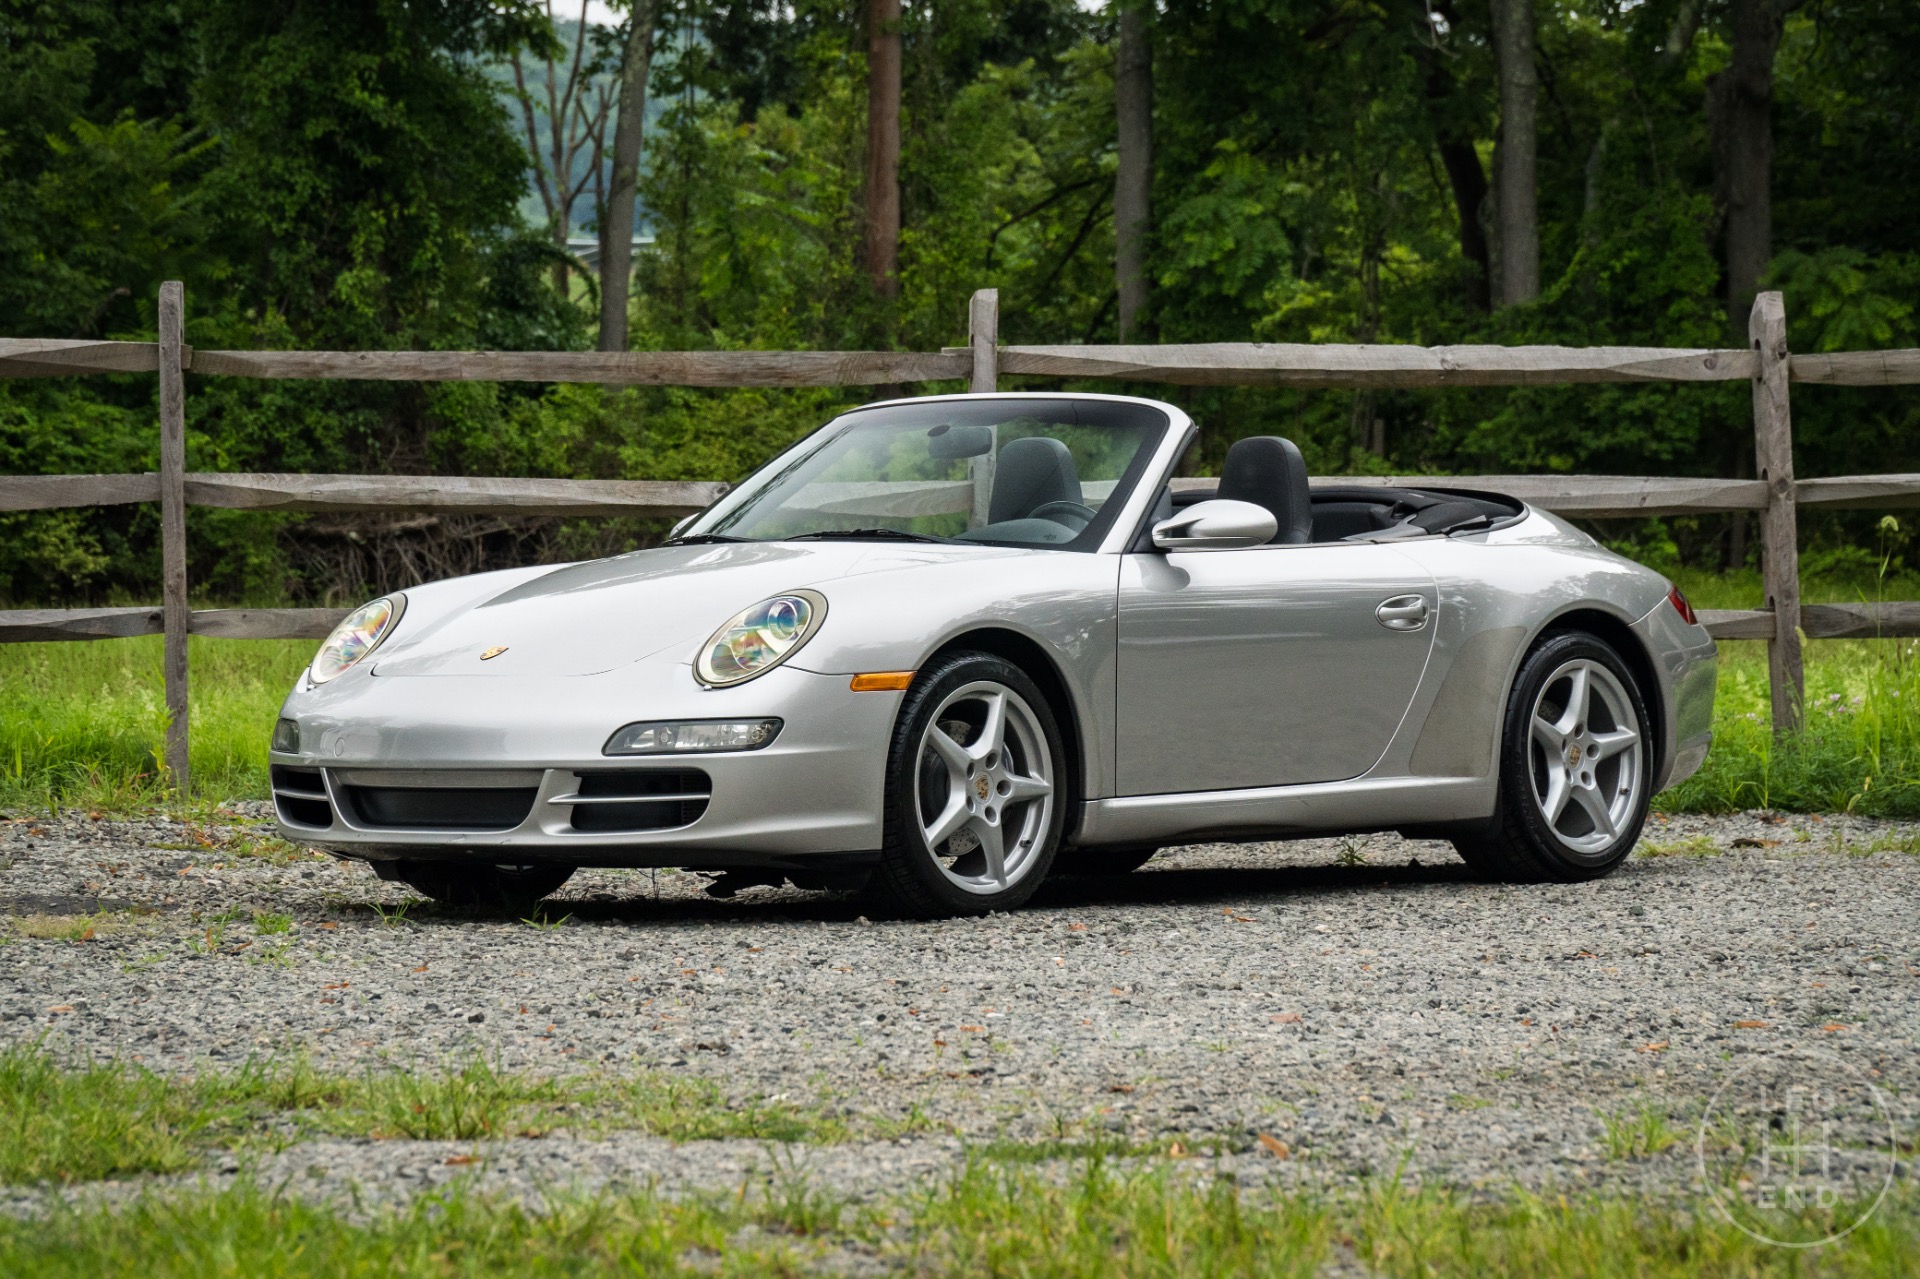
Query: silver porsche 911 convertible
{"x": 943, "y": 647}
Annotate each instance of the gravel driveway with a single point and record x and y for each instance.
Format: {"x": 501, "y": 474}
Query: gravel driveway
{"x": 1358, "y": 1002}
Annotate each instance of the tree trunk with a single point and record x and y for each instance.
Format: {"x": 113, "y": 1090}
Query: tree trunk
{"x": 1740, "y": 106}
{"x": 1519, "y": 215}
{"x": 883, "y": 146}
{"x": 1469, "y": 183}
{"x": 1133, "y": 178}
{"x": 616, "y": 220}
{"x": 1453, "y": 135}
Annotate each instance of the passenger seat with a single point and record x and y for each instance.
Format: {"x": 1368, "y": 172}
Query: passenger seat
{"x": 1269, "y": 471}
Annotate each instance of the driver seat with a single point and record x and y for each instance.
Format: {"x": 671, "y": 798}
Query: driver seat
{"x": 1269, "y": 471}
{"x": 1030, "y": 473}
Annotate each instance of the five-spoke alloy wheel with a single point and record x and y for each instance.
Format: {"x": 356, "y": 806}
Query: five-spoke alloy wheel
{"x": 974, "y": 790}
{"x": 1576, "y": 767}
{"x": 1586, "y": 757}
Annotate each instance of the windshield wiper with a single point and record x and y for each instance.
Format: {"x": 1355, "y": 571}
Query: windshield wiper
{"x": 703, "y": 539}
{"x": 865, "y": 534}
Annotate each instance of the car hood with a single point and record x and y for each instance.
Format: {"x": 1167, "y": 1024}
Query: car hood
{"x": 583, "y": 619}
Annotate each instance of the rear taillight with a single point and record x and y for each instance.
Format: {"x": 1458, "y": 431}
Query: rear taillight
{"x": 1680, "y": 606}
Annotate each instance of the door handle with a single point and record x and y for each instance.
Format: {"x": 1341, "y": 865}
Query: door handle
{"x": 1402, "y": 613}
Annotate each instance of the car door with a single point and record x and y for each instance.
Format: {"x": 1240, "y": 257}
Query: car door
{"x": 1268, "y": 666}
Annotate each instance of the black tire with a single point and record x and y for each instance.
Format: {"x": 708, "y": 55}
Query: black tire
{"x": 919, "y": 880}
{"x": 1521, "y": 844}
{"x": 482, "y": 885}
{"x": 1092, "y": 863}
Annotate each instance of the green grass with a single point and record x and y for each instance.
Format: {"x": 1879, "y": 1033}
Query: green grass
{"x": 688, "y": 1108}
{"x": 267, "y": 923}
{"x": 990, "y": 1220}
{"x": 1048, "y": 1210}
{"x": 60, "y": 1124}
{"x": 74, "y": 1122}
{"x": 82, "y": 724}
{"x": 1859, "y": 751}
{"x": 1639, "y": 1131}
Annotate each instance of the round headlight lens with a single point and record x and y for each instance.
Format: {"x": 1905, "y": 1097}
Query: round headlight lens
{"x": 757, "y": 639}
{"x": 358, "y": 634}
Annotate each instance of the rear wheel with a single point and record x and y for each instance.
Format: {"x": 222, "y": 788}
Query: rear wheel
{"x": 975, "y": 796}
{"x": 480, "y": 885}
{"x": 1576, "y": 762}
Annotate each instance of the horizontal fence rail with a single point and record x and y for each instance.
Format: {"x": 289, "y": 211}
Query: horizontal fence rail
{"x": 472, "y": 495}
{"x": 1360, "y": 367}
{"x": 618, "y": 368}
{"x": 23, "y": 626}
{"x": 450, "y": 494}
{"x": 1328, "y": 367}
{"x": 1893, "y": 620}
{"x": 1325, "y": 367}
{"x": 32, "y": 357}
{"x": 53, "y": 357}
{"x": 1585, "y": 496}
{"x": 1768, "y": 367}
{"x": 1897, "y": 619}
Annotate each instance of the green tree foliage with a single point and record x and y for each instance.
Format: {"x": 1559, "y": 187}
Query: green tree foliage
{"x": 347, "y": 176}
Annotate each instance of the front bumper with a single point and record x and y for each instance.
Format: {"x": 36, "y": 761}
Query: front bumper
{"x": 525, "y": 750}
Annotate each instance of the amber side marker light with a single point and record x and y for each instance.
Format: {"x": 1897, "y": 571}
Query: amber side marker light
{"x": 882, "y": 682}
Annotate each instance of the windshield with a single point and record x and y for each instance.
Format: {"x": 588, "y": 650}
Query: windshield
{"x": 1012, "y": 472}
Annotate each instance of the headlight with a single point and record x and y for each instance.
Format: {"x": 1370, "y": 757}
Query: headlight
{"x": 356, "y": 636}
{"x": 700, "y": 735}
{"x": 758, "y": 639}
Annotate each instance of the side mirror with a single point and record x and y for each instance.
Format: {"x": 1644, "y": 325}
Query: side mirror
{"x": 1218, "y": 525}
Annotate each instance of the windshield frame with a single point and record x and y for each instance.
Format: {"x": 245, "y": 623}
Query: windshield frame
{"x": 1117, "y": 512}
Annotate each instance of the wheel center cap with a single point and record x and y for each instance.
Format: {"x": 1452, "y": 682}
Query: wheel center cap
{"x": 981, "y": 786}
{"x": 1573, "y": 755}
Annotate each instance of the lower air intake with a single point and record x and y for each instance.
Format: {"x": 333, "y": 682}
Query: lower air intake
{"x": 300, "y": 797}
{"x": 636, "y": 800}
{"x": 440, "y": 808}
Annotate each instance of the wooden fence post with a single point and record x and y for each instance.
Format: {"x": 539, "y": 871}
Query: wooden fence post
{"x": 1779, "y": 529}
{"x": 983, "y": 334}
{"x": 176, "y": 616}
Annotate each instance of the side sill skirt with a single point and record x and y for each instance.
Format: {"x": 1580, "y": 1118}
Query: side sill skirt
{"x": 1285, "y": 812}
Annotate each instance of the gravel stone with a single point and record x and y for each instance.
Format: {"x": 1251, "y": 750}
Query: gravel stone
{"x": 1359, "y": 1003}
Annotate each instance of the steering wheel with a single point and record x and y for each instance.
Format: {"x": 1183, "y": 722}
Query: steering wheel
{"x": 1053, "y": 510}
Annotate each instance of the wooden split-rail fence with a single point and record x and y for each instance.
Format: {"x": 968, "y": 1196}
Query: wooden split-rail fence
{"x": 1775, "y": 496}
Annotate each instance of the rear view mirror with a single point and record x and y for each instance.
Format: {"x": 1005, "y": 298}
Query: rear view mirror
{"x": 1221, "y": 524}
{"x": 949, "y": 442}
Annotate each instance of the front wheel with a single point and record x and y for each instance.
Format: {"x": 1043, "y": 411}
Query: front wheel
{"x": 1576, "y": 766}
{"x": 975, "y": 791}
{"x": 479, "y": 885}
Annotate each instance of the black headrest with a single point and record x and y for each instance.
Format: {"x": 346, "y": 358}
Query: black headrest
{"x": 1269, "y": 471}
{"x": 1029, "y": 473}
